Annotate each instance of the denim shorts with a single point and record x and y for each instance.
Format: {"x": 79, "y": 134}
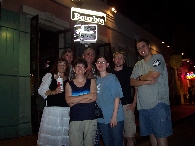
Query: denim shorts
{"x": 156, "y": 120}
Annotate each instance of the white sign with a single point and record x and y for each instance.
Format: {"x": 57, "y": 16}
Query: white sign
{"x": 85, "y": 33}
{"x": 88, "y": 16}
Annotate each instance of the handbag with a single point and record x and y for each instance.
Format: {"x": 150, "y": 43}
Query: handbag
{"x": 98, "y": 111}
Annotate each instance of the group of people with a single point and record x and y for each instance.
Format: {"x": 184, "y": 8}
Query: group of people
{"x": 88, "y": 80}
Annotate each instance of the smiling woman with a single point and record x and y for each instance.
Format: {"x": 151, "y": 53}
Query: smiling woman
{"x": 81, "y": 95}
{"x": 112, "y": 123}
{"x": 54, "y": 123}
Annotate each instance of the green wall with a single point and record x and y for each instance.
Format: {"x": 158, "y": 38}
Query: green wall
{"x": 15, "y": 99}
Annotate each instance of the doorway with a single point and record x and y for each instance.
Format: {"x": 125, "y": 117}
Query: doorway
{"x": 48, "y": 50}
{"x": 44, "y": 52}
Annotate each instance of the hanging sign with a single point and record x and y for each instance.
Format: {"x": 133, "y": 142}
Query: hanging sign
{"x": 85, "y": 33}
{"x": 79, "y": 14}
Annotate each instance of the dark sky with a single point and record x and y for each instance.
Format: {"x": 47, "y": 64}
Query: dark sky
{"x": 162, "y": 18}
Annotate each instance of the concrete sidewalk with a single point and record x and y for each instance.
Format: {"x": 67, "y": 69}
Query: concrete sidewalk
{"x": 178, "y": 113}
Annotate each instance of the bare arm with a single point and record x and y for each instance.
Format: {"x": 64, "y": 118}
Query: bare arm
{"x": 133, "y": 105}
{"x": 87, "y": 98}
{"x": 113, "y": 121}
{"x": 93, "y": 90}
{"x": 136, "y": 82}
{"x": 135, "y": 97}
{"x": 147, "y": 79}
{"x": 151, "y": 75}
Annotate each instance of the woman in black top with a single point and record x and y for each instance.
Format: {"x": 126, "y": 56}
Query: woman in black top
{"x": 54, "y": 125}
{"x": 81, "y": 95}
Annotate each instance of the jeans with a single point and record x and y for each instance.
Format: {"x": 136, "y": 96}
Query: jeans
{"x": 112, "y": 136}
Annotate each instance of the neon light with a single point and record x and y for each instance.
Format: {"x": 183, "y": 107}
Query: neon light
{"x": 86, "y": 33}
{"x": 190, "y": 76}
{"x": 88, "y": 16}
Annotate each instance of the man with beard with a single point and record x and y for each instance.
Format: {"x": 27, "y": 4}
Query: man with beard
{"x": 129, "y": 103}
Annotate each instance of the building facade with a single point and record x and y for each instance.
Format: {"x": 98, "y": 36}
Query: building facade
{"x": 33, "y": 33}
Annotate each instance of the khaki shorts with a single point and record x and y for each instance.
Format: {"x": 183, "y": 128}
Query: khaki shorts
{"x": 82, "y": 133}
{"x": 129, "y": 122}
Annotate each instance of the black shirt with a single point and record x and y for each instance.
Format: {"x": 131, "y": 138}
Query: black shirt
{"x": 57, "y": 99}
{"x": 124, "y": 79}
{"x": 82, "y": 111}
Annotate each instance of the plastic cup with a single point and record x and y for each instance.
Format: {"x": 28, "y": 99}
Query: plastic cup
{"x": 60, "y": 83}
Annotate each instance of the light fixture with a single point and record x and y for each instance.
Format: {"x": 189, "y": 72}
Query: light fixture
{"x": 168, "y": 46}
{"x": 163, "y": 42}
{"x": 114, "y": 10}
{"x": 182, "y": 53}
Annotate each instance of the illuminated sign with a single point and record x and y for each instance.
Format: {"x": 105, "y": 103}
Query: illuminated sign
{"x": 85, "y": 33}
{"x": 88, "y": 16}
{"x": 190, "y": 75}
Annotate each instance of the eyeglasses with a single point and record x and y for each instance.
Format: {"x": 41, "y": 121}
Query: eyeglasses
{"x": 101, "y": 62}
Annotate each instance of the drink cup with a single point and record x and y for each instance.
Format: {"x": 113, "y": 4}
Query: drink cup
{"x": 60, "y": 83}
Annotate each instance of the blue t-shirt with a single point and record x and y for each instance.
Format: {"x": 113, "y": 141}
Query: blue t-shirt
{"x": 108, "y": 89}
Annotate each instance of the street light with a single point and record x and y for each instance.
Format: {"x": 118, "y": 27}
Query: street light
{"x": 114, "y": 10}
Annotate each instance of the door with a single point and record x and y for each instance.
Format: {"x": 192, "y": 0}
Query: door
{"x": 105, "y": 49}
{"x": 34, "y": 70}
{"x": 65, "y": 40}
{"x": 44, "y": 51}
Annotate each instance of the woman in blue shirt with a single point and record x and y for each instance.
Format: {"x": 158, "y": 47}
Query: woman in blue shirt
{"x": 109, "y": 94}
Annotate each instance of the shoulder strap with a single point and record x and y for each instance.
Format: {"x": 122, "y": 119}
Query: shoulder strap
{"x": 70, "y": 83}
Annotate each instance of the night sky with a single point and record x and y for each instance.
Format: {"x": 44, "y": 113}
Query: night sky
{"x": 172, "y": 21}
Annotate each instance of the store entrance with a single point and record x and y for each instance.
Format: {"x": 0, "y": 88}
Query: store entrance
{"x": 48, "y": 48}
{"x": 44, "y": 50}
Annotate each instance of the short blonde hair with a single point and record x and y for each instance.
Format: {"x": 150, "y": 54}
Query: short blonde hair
{"x": 120, "y": 52}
